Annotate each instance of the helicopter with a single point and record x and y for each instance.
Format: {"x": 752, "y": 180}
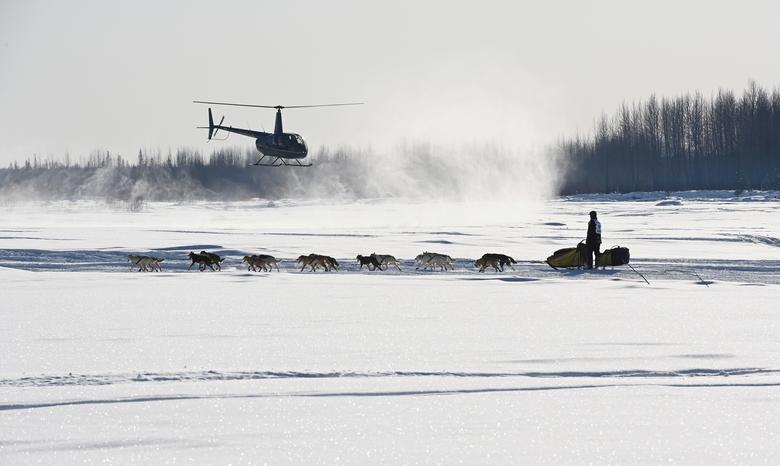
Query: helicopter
{"x": 278, "y": 148}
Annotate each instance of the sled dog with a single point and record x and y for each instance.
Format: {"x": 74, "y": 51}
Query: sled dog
{"x": 155, "y": 264}
{"x": 314, "y": 261}
{"x": 202, "y": 260}
{"x": 261, "y": 261}
{"x": 306, "y": 261}
{"x": 432, "y": 260}
{"x": 214, "y": 258}
{"x": 267, "y": 262}
{"x": 503, "y": 260}
{"x": 423, "y": 258}
{"x": 146, "y": 263}
{"x": 333, "y": 263}
{"x": 386, "y": 260}
{"x": 370, "y": 261}
{"x": 250, "y": 263}
{"x": 486, "y": 262}
{"x": 441, "y": 261}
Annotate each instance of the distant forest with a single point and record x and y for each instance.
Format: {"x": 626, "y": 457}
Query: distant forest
{"x": 182, "y": 175}
{"x": 684, "y": 143}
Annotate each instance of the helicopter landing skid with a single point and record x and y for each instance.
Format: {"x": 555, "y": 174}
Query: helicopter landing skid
{"x": 279, "y": 162}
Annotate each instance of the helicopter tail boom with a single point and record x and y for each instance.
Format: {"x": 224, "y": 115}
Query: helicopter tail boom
{"x": 214, "y": 129}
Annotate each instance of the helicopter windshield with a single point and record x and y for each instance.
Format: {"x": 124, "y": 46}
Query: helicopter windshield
{"x": 292, "y": 141}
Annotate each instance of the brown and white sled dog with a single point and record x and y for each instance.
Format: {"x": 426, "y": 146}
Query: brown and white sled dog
{"x": 386, "y": 260}
{"x": 146, "y": 263}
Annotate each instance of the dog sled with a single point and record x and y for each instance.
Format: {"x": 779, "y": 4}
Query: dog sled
{"x": 568, "y": 258}
{"x": 575, "y": 257}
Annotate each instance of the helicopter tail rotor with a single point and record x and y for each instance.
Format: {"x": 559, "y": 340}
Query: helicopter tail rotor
{"x": 213, "y": 129}
{"x": 216, "y": 127}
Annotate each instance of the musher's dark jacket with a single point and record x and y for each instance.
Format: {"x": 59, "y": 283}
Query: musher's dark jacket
{"x": 594, "y": 234}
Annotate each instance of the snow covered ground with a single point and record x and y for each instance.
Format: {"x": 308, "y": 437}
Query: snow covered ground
{"x": 526, "y": 366}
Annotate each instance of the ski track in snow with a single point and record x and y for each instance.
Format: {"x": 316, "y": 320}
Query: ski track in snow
{"x": 684, "y": 379}
{"x": 384, "y": 393}
{"x": 148, "y": 377}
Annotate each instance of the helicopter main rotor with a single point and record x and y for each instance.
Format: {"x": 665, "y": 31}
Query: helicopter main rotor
{"x": 277, "y": 107}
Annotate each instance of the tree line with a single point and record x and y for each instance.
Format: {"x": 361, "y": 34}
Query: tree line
{"x": 684, "y": 143}
{"x": 185, "y": 174}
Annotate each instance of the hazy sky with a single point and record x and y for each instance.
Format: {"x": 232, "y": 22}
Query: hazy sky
{"x": 82, "y": 75}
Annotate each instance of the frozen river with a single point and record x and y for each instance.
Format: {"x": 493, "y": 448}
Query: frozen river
{"x": 526, "y": 366}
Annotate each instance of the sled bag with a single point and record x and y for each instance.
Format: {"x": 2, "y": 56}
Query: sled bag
{"x": 613, "y": 257}
{"x": 567, "y": 257}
